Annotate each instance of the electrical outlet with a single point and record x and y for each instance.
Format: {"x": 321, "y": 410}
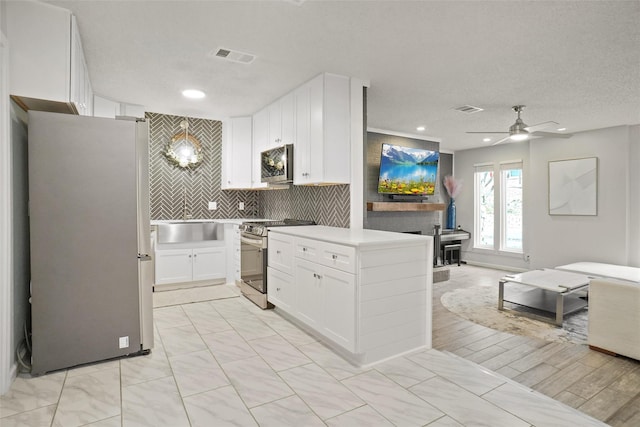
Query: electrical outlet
{"x": 124, "y": 342}
{"x": 241, "y": 206}
{"x": 213, "y": 206}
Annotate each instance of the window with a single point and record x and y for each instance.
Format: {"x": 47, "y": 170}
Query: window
{"x": 511, "y": 207}
{"x": 505, "y": 218}
{"x": 483, "y": 212}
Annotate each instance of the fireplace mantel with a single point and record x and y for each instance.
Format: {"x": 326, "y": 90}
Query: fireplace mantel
{"x": 404, "y": 207}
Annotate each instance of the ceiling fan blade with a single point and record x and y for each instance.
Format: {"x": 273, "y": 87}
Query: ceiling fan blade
{"x": 501, "y": 140}
{"x": 552, "y": 134}
{"x": 542, "y": 125}
{"x": 487, "y": 132}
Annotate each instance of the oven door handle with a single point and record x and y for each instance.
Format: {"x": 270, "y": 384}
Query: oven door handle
{"x": 249, "y": 241}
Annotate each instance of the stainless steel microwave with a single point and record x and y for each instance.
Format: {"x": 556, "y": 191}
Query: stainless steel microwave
{"x": 277, "y": 164}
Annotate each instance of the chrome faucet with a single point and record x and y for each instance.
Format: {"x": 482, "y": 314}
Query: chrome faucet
{"x": 185, "y": 210}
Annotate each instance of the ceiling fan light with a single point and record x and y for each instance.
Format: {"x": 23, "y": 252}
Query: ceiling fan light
{"x": 519, "y": 136}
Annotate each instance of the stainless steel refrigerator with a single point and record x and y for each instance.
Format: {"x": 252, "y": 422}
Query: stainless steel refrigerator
{"x": 91, "y": 275}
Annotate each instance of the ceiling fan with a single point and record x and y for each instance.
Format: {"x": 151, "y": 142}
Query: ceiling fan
{"x": 520, "y": 131}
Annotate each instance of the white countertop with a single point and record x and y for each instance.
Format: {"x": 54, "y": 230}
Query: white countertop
{"x": 221, "y": 220}
{"x": 351, "y": 236}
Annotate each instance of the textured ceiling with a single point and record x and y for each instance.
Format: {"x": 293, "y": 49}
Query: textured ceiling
{"x": 574, "y": 62}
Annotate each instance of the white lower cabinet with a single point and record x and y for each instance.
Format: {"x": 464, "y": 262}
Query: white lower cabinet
{"x": 187, "y": 265}
{"x": 281, "y": 289}
{"x": 209, "y": 263}
{"x": 173, "y": 266}
{"x": 309, "y": 304}
{"x": 339, "y": 298}
{"x": 232, "y": 240}
{"x": 326, "y": 301}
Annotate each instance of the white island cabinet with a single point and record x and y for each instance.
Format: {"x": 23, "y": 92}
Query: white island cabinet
{"x": 365, "y": 293}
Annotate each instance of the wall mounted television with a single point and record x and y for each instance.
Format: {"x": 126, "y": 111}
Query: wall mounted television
{"x": 407, "y": 171}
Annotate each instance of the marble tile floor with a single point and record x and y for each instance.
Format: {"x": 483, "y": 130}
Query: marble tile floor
{"x": 184, "y": 295}
{"x": 227, "y": 363}
{"x": 600, "y": 385}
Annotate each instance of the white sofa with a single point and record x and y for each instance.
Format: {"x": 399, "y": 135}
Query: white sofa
{"x": 614, "y": 307}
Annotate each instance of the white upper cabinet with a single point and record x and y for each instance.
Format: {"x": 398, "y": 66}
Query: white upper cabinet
{"x": 282, "y": 121}
{"x": 316, "y": 119}
{"x": 105, "y": 107}
{"x": 236, "y": 153}
{"x": 260, "y": 143}
{"x": 81, "y": 94}
{"x": 323, "y": 131}
{"x": 47, "y": 66}
{"x": 132, "y": 110}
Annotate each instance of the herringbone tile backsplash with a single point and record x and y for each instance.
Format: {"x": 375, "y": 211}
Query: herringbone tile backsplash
{"x": 328, "y": 205}
{"x": 169, "y": 183}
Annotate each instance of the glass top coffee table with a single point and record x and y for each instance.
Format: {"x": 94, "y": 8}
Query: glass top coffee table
{"x": 553, "y": 291}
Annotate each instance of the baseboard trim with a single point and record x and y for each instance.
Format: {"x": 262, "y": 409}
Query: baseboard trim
{"x": 11, "y": 377}
{"x": 602, "y": 350}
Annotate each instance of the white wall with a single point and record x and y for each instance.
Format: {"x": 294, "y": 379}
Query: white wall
{"x": 602, "y": 238}
{"x": 7, "y": 364}
{"x": 463, "y": 165}
{"x": 634, "y": 196}
{"x": 613, "y": 236}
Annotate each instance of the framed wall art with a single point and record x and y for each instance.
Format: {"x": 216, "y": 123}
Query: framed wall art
{"x": 573, "y": 187}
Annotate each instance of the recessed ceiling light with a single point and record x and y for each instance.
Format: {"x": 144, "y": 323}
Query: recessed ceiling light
{"x": 420, "y": 128}
{"x": 486, "y": 140}
{"x": 193, "y": 93}
{"x": 561, "y": 129}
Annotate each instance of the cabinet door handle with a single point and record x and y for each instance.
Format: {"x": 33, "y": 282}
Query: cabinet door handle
{"x": 304, "y": 249}
{"x": 334, "y": 256}
{"x": 189, "y": 256}
{"x": 278, "y": 252}
{"x": 278, "y": 289}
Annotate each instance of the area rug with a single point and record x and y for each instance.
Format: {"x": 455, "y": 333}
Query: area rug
{"x": 479, "y": 304}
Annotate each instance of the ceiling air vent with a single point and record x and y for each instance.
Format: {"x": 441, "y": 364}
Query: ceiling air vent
{"x": 469, "y": 109}
{"x": 233, "y": 55}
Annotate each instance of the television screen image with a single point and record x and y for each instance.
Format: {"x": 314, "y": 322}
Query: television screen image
{"x": 405, "y": 170}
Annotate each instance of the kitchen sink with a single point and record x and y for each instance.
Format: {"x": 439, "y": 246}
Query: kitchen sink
{"x": 182, "y": 232}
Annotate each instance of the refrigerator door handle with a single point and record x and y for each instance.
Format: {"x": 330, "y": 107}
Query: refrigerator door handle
{"x": 144, "y": 257}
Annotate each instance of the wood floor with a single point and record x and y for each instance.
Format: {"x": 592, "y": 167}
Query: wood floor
{"x": 603, "y": 386}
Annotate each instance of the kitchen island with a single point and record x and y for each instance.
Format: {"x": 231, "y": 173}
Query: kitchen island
{"x": 364, "y": 293}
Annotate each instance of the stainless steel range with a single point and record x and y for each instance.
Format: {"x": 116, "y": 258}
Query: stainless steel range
{"x": 254, "y": 256}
